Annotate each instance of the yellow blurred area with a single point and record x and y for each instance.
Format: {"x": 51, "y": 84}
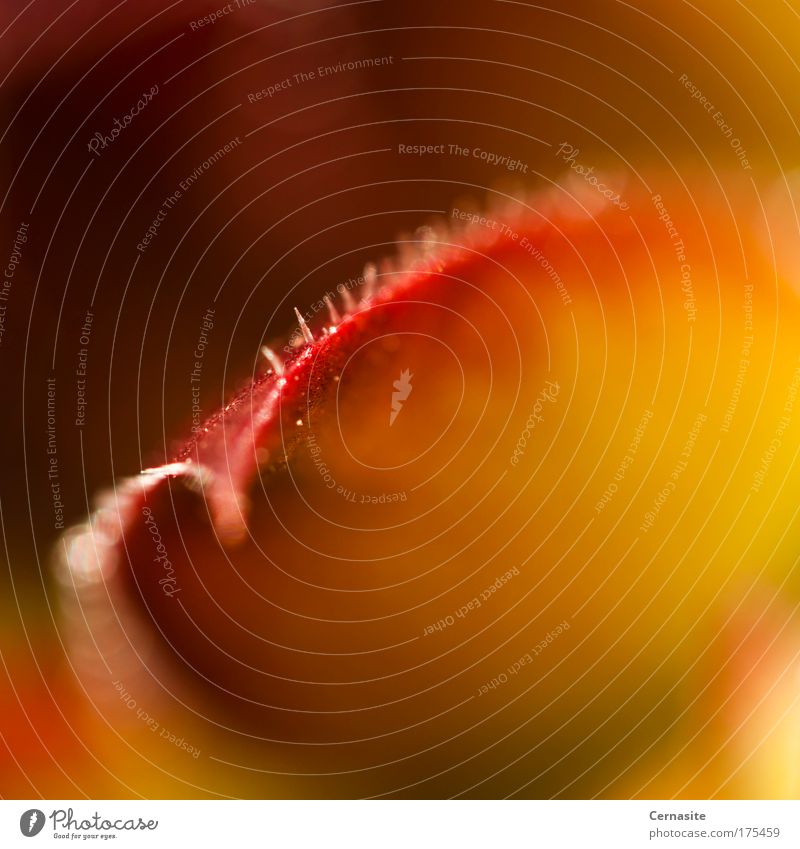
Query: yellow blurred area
{"x": 564, "y": 565}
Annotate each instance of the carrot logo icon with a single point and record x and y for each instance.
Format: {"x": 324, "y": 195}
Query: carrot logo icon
{"x": 403, "y": 389}
{"x": 31, "y": 822}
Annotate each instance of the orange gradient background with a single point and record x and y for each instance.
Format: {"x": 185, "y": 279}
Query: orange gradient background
{"x": 678, "y": 672}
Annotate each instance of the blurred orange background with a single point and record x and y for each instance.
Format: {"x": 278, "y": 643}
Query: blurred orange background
{"x": 314, "y": 183}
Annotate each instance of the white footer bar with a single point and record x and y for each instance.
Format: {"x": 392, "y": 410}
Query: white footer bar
{"x": 402, "y": 824}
